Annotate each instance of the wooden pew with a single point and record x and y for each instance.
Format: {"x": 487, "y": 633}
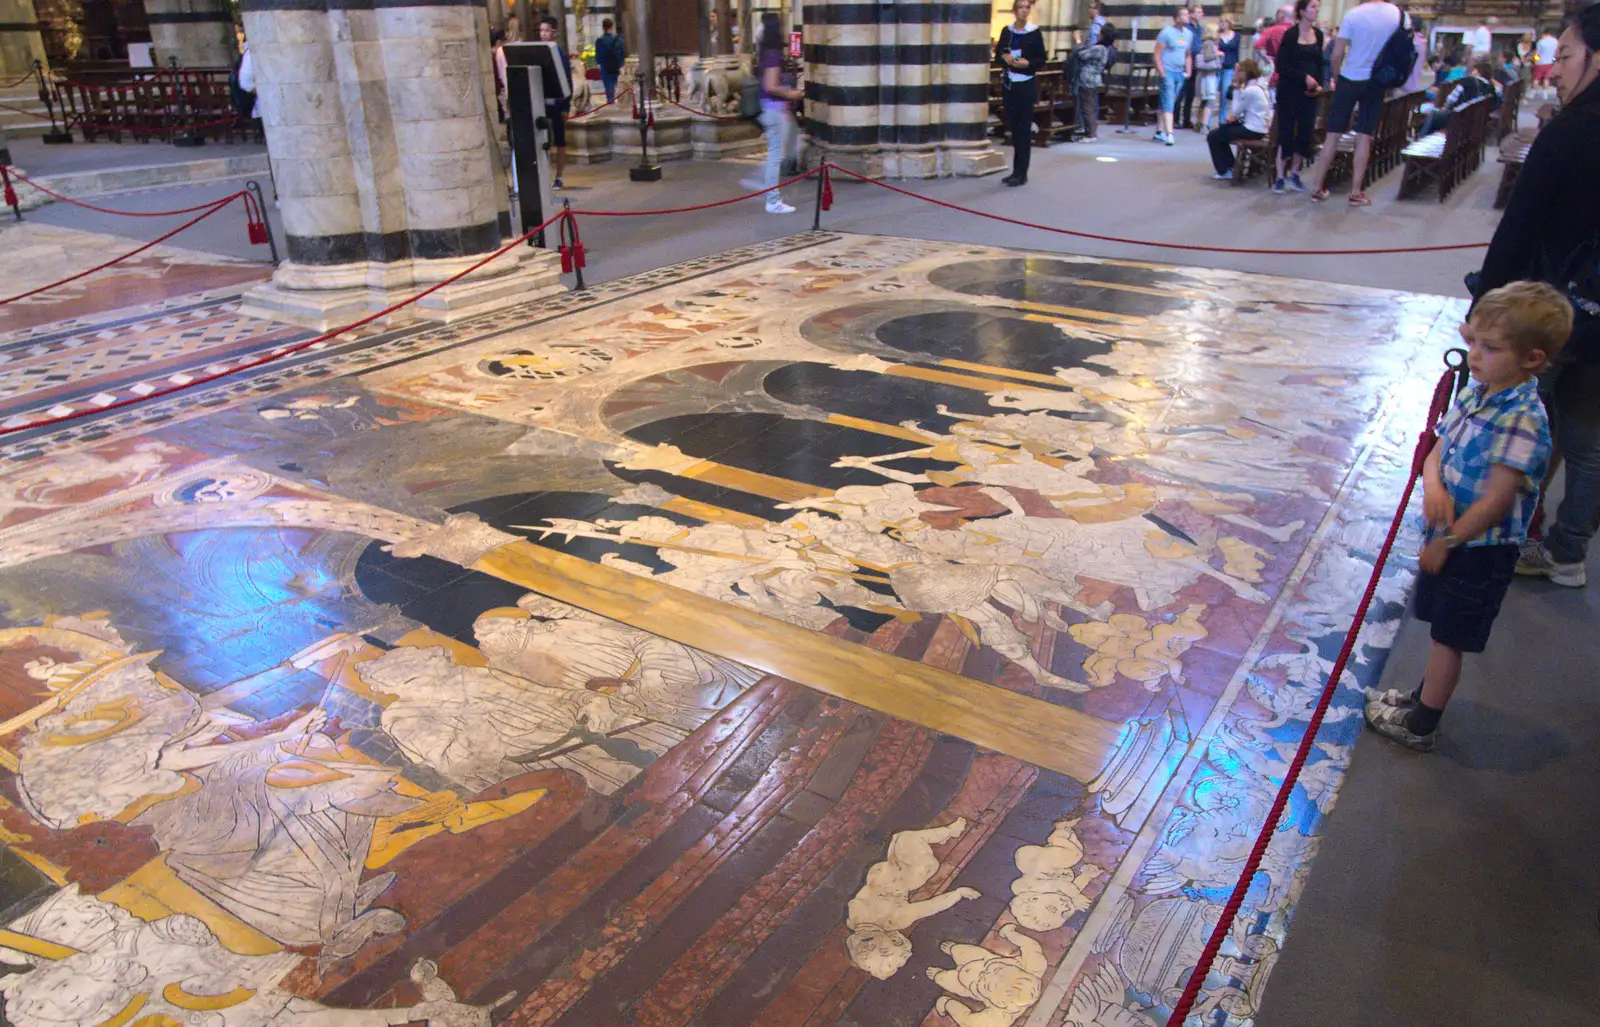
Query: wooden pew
{"x": 1513, "y": 152}
{"x": 1446, "y": 158}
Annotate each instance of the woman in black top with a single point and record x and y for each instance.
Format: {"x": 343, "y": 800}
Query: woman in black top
{"x": 1300, "y": 80}
{"x": 1020, "y": 51}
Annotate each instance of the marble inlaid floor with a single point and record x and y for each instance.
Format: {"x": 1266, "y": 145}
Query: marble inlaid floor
{"x": 845, "y": 630}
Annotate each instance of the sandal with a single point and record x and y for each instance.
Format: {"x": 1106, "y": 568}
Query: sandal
{"x": 1360, "y": 200}
{"x": 1319, "y": 196}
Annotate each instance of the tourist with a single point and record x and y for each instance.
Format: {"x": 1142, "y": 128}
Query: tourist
{"x": 609, "y": 54}
{"x": 1208, "y": 73}
{"x": 778, "y": 95}
{"x": 1021, "y": 49}
{"x": 1300, "y": 83}
{"x": 1551, "y": 221}
{"x": 1356, "y": 95}
{"x": 242, "y": 82}
{"x": 1228, "y": 42}
{"x": 1251, "y": 108}
{"x": 1097, "y": 22}
{"x": 1476, "y": 86}
{"x": 1510, "y": 69}
{"x": 1480, "y": 488}
{"x": 1545, "y": 53}
{"x": 497, "y": 56}
{"x": 1479, "y": 42}
{"x": 1270, "y": 38}
{"x": 1419, "y": 42}
{"x": 1175, "y": 61}
{"x": 1190, "y": 81}
{"x": 1093, "y": 60}
{"x": 556, "y": 108}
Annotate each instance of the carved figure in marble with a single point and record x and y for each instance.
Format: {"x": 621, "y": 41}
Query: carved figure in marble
{"x": 1007, "y": 986}
{"x": 1053, "y": 877}
{"x": 883, "y": 909}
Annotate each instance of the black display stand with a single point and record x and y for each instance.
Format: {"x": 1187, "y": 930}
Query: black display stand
{"x": 534, "y": 72}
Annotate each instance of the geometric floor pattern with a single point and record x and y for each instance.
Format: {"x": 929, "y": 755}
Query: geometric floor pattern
{"x": 847, "y": 630}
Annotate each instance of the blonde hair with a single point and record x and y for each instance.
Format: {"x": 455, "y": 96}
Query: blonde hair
{"x": 1531, "y": 316}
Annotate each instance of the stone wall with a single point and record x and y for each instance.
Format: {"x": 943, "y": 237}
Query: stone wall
{"x": 199, "y": 33}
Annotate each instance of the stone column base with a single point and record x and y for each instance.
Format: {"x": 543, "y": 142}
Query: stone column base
{"x": 669, "y": 139}
{"x": 326, "y": 297}
{"x": 943, "y": 162}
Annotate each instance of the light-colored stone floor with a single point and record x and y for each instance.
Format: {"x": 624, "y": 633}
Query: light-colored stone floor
{"x": 850, "y": 630}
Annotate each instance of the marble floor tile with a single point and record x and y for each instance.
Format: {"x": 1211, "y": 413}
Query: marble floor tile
{"x": 845, "y": 630}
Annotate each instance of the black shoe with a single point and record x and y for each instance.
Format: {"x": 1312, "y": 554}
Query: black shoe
{"x": 1014, "y": 180}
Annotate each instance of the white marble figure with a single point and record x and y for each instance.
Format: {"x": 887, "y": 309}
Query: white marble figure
{"x": 1006, "y": 985}
{"x": 275, "y": 828}
{"x": 174, "y": 971}
{"x": 1050, "y": 889}
{"x": 562, "y": 687}
{"x": 882, "y": 910}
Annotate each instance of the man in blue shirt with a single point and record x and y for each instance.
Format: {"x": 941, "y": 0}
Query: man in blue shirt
{"x": 1186, "y": 98}
{"x": 610, "y": 54}
{"x": 1174, "y": 61}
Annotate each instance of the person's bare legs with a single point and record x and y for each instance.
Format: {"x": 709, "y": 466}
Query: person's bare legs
{"x": 1358, "y": 167}
{"x": 1319, "y": 170}
{"x": 1439, "y": 680}
{"x": 561, "y": 160}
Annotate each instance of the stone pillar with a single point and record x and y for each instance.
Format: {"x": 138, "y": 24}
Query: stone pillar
{"x": 199, "y": 33}
{"x": 724, "y": 41}
{"x": 901, "y": 90}
{"x": 381, "y": 129}
{"x": 20, "y": 44}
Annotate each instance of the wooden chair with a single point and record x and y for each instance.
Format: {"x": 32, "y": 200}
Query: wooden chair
{"x": 1446, "y": 158}
{"x": 1513, "y": 153}
{"x": 1251, "y": 157}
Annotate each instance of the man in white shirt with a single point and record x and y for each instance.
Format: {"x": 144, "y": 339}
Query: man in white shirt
{"x": 1545, "y": 51}
{"x": 1361, "y": 37}
{"x": 1480, "y": 40}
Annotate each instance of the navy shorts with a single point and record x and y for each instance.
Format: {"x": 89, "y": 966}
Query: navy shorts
{"x": 1347, "y": 97}
{"x": 1463, "y": 599}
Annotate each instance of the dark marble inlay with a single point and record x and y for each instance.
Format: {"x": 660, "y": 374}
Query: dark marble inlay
{"x": 418, "y": 243}
{"x": 1065, "y": 283}
{"x": 982, "y": 337}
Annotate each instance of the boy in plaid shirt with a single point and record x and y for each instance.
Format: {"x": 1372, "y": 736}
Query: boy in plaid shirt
{"x": 1480, "y": 488}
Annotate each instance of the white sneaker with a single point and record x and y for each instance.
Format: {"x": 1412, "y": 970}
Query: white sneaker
{"x": 1223, "y": 176}
{"x": 1535, "y": 561}
{"x": 779, "y": 207}
{"x": 1171, "y": 141}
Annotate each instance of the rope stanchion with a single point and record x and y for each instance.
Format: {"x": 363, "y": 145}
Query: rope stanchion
{"x": 10, "y": 195}
{"x": 110, "y": 210}
{"x": 279, "y": 354}
{"x": 1193, "y": 247}
{"x": 212, "y": 209}
{"x": 1443, "y": 392}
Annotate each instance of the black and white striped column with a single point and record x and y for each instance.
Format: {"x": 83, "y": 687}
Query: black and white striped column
{"x": 199, "y": 33}
{"x": 381, "y": 130}
{"x": 900, "y": 89}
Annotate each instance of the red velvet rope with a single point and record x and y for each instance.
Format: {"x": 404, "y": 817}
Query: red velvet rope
{"x": 1161, "y": 245}
{"x": 287, "y": 350}
{"x": 1442, "y": 394}
{"x": 699, "y": 206}
{"x": 703, "y": 114}
{"x": 597, "y": 110}
{"x": 210, "y": 210}
{"x": 19, "y": 176}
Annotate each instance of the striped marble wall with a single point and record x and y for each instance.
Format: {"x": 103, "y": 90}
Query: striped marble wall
{"x": 901, "y": 89}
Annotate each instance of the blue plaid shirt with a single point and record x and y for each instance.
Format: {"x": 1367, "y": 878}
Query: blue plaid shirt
{"x": 1508, "y": 428}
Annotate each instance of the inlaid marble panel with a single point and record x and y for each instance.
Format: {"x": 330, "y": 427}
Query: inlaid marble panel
{"x": 854, "y": 631}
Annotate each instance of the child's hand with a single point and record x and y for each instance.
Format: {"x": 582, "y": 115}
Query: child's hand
{"x": 1437, "y": 508}
{"x": 1434, "y": 554}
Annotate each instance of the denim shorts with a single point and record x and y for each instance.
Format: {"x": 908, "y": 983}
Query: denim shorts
{"x": 1461, "y": 602}
{"x": 1347, "y": 97}
{"x": 1171, "y": 86}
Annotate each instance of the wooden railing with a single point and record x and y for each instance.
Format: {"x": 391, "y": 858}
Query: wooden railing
{"x": 147, "y": 104}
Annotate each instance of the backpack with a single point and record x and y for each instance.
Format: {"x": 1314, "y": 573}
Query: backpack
{"x": 242, "y": 100}
{"x": 1398, "y": 56}
{"x": 750, "y": 98}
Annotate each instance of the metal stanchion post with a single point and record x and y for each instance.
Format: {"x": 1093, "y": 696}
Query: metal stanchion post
{"x": 185, "y": 136}
{"x": 261, "y": 205}
{"x": 577, "y": 258}
{"x": 57, "y": 134}
{"x": 10, "y": 191}
{"x": 816, "y": 214}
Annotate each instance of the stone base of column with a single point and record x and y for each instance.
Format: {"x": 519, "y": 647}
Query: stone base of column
{"x": 941, "y": 162}
{"x": 320, "y": 298}
{"x": 669, "y": 139}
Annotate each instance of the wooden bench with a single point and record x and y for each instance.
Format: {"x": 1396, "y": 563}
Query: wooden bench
{"x": 1447, "y": 158}
{"x": 149, "y": 104}
{"x": 1394, "y": 132}
{"x": 1504, "y": 122}
{"x": 1513, "y": 152}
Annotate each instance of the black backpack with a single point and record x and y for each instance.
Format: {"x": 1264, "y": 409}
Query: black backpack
{"x": 1580, "y": 279}
{"x": 1398, "y": 56}
{"x": 750, "y": 98}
